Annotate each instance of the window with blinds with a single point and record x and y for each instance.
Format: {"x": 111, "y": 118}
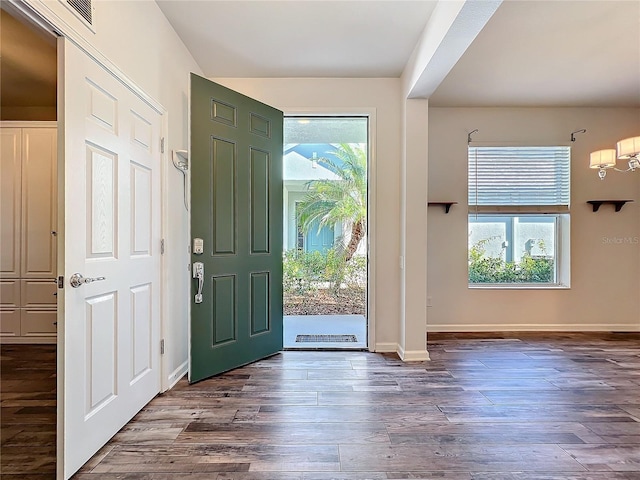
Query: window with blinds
{"x": 519, "y": 217}
{"x": 515, "y": 178}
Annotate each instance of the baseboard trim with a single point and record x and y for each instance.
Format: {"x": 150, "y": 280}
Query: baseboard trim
{"x": 533, "y": 327}
{"x": 26, "y": 340}
{"x": 177, "y": 374}
{"x": 412, "y": 355}
{"x": 388, "y": 347}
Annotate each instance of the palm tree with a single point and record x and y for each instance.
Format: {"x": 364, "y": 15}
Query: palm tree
{"x": 332, "y": 201}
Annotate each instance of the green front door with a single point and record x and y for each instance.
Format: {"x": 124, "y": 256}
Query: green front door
{"x": 236, "y": 209}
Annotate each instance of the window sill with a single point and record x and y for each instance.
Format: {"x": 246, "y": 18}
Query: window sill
{"x": 518, "y": 286}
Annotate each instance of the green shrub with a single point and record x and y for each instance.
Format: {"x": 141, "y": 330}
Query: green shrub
{"x": 301, "y": 271}
{"x": 355, "y": 272}
{"x": 487, "y": 269}
{"x": 304, "y": 272}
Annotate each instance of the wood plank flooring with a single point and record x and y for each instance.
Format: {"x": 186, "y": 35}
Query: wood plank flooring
{"x": 495, "y": 406}
{"x": 27, "y": 412}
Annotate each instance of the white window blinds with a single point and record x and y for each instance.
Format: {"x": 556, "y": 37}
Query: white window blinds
{"x": 519, "y": 177}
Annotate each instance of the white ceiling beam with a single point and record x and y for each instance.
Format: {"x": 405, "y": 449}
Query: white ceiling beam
{"x": 451, "y": 28}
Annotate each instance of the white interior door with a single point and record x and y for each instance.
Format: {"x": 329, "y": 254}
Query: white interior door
{"x": 110, "y": 341}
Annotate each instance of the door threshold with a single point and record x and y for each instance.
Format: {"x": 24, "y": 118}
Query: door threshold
{"x": 325, "y": 348}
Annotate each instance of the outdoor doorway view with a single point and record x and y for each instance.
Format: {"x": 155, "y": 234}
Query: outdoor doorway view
{"x": 325, "y": 232}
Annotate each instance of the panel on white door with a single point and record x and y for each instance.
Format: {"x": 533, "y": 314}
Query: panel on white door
{"x": 141, "y": 209}
{"x": 141, "y": 312}
{"x": 102, "y": 367}
{"x": 141, "y": 131}
{"x": 103, "y": 107}
{"x": 101, "y": 202}
{"x": 10, "y": 198}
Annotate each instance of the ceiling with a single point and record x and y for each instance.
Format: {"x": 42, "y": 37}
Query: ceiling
{"x": 323, "y": 38}
{"x": 551, "y": 53}
{"x": 530, "y": 53}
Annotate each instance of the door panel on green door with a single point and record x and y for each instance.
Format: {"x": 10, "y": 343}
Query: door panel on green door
{"x": 224, "y": 309}
{"x": 236, "y": 205}
{"x": 223, "y": 188}
{"x": 260, "y": 178}
{"x": 260, "y": 316}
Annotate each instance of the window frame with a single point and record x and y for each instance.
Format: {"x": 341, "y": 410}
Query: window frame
{"x": 561, "y": 271}
{"x": 561, "y": 213}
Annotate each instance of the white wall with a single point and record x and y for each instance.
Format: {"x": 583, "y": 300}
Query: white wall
{"x": 353, "y": 95}
{"x": 138, "y": 39}
{"x": 412, "y": 341}
{"x": 605, "y": 246}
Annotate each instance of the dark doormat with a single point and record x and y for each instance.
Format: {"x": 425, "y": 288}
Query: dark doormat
{"x": 325, "y": 338}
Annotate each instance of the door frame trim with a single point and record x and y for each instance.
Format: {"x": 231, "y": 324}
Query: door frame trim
{"x": 370, "y": 113}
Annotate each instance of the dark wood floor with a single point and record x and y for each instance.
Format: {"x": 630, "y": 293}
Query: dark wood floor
{"x": 28, "y": 412}
{"x": 487, "y": 407}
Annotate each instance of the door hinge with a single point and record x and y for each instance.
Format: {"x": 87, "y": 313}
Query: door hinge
{"x": 162, "y": 347}
{"x": 162, "y": 145}
{"x": 162, "y": 247}
{"x": 61, "y": 281}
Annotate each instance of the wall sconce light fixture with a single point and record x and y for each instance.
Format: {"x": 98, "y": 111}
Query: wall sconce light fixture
{"x": 627, "y": 149}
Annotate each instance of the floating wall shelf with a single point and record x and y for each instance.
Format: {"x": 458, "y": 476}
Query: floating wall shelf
{"x": 617, "y": 203}
{"x": 446, "y": 205}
